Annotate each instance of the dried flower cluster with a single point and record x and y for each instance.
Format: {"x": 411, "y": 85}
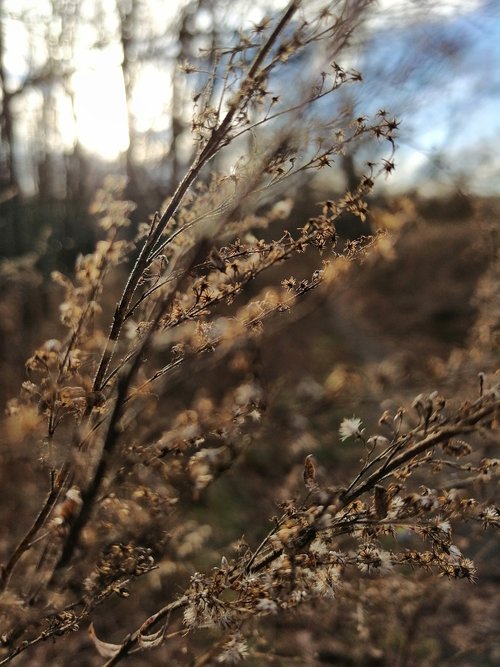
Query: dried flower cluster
{"x": 135, "y": 426}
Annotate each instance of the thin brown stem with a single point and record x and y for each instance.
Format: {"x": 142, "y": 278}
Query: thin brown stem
{"x": 482, "y": 410}
{"x": 465, "y": 425}
{"x": 217, "y": 139}
{"x": 56, "y": 484}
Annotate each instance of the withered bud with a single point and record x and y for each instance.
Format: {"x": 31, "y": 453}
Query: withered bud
{"x": 386, "y": 419}
{"x": 309, "y": 473}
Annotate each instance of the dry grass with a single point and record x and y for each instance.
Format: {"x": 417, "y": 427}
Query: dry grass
{"x": 156, "y": 437}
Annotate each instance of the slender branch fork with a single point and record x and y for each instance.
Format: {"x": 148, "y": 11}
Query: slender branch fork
{"x": 146, "y": 254}
{"x": 150, "y": 249}
{"x": 56, "y": 484}
{"x": 213, "y": 145}
{"x": 483, "y": 410}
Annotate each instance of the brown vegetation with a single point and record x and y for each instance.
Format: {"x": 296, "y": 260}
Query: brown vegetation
{"x": 223, "y": 453}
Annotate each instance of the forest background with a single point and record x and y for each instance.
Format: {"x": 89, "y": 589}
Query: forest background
{"x": 104, "y": 105}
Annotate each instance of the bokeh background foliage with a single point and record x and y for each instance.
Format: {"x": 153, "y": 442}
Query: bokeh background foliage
{"x": 333, "y": 266}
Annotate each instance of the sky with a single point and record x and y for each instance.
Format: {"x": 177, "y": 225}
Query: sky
{"x": 449, "y": 110}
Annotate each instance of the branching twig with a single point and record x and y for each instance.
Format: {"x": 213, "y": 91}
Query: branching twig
{"x": 480, "y": 411}
{"x": 213, "y": 145}
{"x": 56, "y": 484}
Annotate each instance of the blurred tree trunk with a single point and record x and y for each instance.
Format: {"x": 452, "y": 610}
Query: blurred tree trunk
{"x": 181, "y": 105}
{"x": 179, "y": 95}
{"x": 8, "y": 175}
{"x": 9, "y": 187}
{"x": 127, "y": 14}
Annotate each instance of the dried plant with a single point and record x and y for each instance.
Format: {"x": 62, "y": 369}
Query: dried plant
{"x": 133, "y": 427}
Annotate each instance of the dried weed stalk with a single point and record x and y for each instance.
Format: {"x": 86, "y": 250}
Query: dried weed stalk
{"x": 124, "y": 463}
